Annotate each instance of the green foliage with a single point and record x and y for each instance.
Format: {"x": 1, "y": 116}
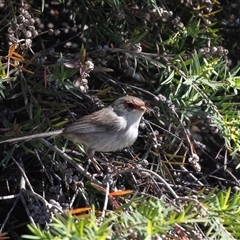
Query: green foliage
{"x": 218, "y": 213}
{"x": 197, "y": 82}
{"x": 148, "y": 218}
{"x": 59, "y": 72}
{"x": 224, "y": 214}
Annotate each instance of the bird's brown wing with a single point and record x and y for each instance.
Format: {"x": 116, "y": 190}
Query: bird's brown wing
{"x": 94, "y": 123}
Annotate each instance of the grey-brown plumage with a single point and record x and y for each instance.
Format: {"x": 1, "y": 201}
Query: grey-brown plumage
{"x": 107, "y": 130}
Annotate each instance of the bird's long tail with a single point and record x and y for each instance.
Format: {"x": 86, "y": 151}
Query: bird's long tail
{"x": 33, "y": 136}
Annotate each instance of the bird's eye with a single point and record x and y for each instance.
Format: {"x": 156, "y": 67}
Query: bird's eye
{"x": 130, "y": 105}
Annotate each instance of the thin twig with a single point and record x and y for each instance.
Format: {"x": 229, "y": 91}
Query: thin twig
{"x": 151, "y": 173}
{"x": 71, "y": 161}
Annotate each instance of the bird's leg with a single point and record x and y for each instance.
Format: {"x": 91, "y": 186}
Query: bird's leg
{"x": 103, "y": 162}
{"x": 92, "y": 158}
{"x": 90, "y": 154}
{"x": 96, "y": 166}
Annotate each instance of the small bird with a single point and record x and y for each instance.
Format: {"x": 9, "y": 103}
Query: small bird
{"x": 107, "y": 130}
